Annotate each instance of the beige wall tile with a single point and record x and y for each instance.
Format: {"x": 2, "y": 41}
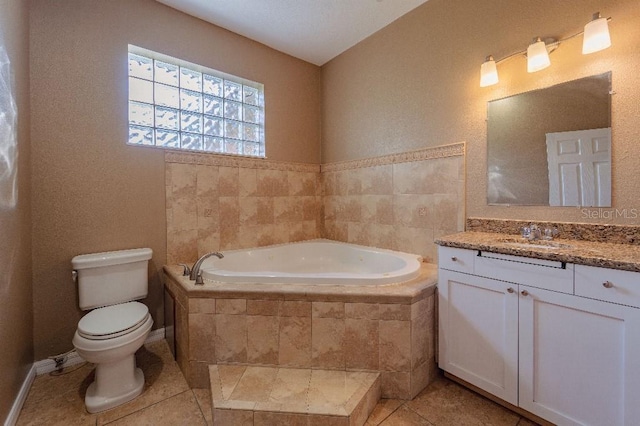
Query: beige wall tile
{"x": 396, "y": 385}
{"x": 202, "y": 305}
{"x": 420, "y": 377}
{"x": 248, "y": 182}
{"x": 265, "y": 211}
{"x": 231, "y": 338}
{"x": 202, "y": 331}
{"x": 263, "y": 307}
{"x": 327, "y": 343}
{"x": 420, "y": 336}
{"x": 206, "y": 182}
{"x": 198, "y": 376}
{"x": 231, "y": 306}
{"x": 295, "y": 341}
{"x": 248, "y": 208}
{"x": 262, "y": 339}
{"x": 327, "y": 309}
{"x": 377, "y": 180}
{"x": 295, "y": 308}
{"x": 362, "y": 310}
{"x": 228, "y": 182}
{"x": 183, "y": 246}
{"x": 395, "y": 345}
{"x": 394, "y": 311}
{"x": 361, "y": 344}
{"x": 273, "y": 183}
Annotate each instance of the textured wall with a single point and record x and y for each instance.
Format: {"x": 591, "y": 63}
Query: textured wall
{"x": 91, "y": 191}
{"x": 16, "y": 309}
{"x": 415, "y": 83}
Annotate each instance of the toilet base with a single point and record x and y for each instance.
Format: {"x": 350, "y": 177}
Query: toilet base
{"x": 96, "y": 402}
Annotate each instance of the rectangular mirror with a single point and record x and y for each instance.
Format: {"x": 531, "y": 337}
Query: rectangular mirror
{"x": 551, "y": 147}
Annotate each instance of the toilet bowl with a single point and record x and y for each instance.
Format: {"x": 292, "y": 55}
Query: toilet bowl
{"x": 116, "y": 326}
{"x": 109, "y": 337}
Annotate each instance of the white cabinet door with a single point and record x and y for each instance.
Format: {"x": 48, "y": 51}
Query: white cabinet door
{"x": 478, "y": 332}
{"x": 579, "y": 359}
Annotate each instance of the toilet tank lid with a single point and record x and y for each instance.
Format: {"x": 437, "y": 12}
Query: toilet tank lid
{"x": 108, "y": 258}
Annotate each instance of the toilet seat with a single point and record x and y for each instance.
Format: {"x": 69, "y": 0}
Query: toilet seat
{"x": 113, "y": 321}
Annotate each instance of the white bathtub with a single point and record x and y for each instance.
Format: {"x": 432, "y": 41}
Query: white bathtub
{"x": 313, "y": 262}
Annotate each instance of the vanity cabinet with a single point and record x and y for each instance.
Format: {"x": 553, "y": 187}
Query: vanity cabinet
{"x": 561, "y": 341}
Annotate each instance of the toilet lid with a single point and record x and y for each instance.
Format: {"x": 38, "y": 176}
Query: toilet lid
{"x": 113, "y": 321}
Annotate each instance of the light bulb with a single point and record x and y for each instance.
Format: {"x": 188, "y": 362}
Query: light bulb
{"x": 596, "y": 35}
{"x": 488, "y": 72}
{"x": 537, "y": 56}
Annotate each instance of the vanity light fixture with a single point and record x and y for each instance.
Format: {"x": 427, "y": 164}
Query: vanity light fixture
{"x": 596, "y": 38}
{"x": 537, "y": 56}
{"x": 596, "y": 35}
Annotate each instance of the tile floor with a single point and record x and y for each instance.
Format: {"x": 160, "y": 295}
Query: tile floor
{"x": 167, "y": 400}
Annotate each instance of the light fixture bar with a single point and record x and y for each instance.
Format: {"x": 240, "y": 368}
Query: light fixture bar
{"x": 597, "y": 30}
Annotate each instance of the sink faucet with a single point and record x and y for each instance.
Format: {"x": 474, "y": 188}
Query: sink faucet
{"x": 194, "y": 273}
{"x": 533, "y": 233}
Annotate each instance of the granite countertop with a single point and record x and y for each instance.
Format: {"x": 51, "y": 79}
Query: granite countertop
{"x": 590, "y": 253}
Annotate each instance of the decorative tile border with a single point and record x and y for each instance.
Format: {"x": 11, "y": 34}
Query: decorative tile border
{"x": 441, "y": 151}
{"x": 595, "y": 232}
{"x": 233, "y": 161}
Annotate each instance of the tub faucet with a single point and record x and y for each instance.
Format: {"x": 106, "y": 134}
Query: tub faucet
{"x": 195, "y": 270}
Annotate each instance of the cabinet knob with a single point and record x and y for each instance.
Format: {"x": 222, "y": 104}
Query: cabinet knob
{"x": 607, "y": 284}
{"x": 510, "y": 290}
{"x": 455, "y": 259}
{"x": 524, "y": 293}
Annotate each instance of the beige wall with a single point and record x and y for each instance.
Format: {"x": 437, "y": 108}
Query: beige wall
{"x": 416, "y": 84}
{"x": 91, "y": 191}
{"x": 16, "y": 311}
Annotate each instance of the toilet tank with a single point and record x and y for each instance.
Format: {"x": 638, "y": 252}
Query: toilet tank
{"x": 111, "y": 277}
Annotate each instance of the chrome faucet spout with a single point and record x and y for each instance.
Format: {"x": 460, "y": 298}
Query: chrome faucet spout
{"x": 195, "y": 270}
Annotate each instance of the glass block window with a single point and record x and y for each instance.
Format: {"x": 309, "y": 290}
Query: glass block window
{"x": 178, "y": 105}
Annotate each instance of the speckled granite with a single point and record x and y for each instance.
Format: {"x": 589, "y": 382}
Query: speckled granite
{"x": 600, "y": 254}
{"x": 617, "y": 234}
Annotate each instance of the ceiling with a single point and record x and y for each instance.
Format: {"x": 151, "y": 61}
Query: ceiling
{"x": 312, "y": 30}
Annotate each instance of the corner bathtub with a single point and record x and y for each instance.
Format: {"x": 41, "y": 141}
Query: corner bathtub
{"x": 317, "y": 304}
{"x": 313, "y": 262}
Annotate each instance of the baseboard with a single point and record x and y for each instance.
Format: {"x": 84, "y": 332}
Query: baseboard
{"x": 12, "y": 418}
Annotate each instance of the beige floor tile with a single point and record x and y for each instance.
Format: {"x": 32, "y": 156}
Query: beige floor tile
{"x": 203, "y": 396}
{"x": 255, "y": 384}
{"x": 404, "y": 416}
{"x": 59, "y": 400}
{"x": 445, "y": 403}
{"x": 383, "y": 409}
{"x": 181, "y": 409}
{"x": 163, "y": 379}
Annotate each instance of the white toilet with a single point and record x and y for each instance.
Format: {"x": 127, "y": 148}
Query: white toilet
{"x": 110, "y": 335}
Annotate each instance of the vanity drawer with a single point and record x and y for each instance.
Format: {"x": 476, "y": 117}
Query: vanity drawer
{"x": 545, "y": 274}
{"x": 456, "y": 259}
{"x": 610, "y": 285}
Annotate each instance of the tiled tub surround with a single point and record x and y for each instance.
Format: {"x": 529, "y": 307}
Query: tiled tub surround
{"x": 217, "y": 202}
{"x": 387, "y": 329}
{"x": 606, "y": 246}
{"x": 398, "y": 202}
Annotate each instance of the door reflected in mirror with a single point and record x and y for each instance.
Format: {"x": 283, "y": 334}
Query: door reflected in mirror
{"x": 551, "y": 146}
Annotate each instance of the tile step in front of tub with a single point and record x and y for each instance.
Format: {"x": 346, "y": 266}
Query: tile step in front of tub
{"x": 247, "y": 395}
